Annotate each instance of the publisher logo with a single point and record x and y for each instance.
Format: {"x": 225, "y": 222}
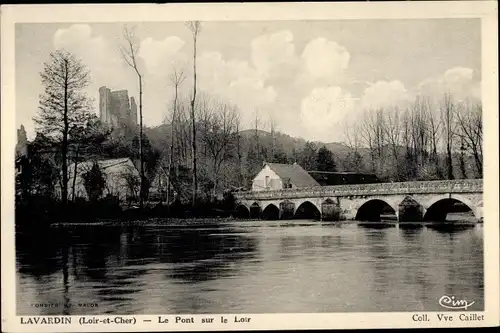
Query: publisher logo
{"x": 450, "y": 302}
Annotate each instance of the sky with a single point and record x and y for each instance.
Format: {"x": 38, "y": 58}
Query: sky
{"x": 306, "y": 77}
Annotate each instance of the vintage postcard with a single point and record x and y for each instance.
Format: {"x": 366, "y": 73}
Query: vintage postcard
{"x": 192, "y": 167}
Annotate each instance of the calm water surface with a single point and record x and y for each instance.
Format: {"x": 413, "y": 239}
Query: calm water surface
{"x": 247, "y": 267}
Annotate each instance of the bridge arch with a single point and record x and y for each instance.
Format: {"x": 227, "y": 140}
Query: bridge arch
{"x": 439, "y": 207}
{"x": 242, "y": 211}
{"x": 374, "y": 208}
{"x": 271, "y": 212}
{"x": 264, "y": 205}
{"x": 255, "y": 210}
{"x": 307, "y": 211}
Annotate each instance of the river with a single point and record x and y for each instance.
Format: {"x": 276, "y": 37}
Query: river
{"x": 246, "y": 267}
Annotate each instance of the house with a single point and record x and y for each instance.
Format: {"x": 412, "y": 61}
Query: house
{"x": 276, "y": 176}
{"x": 122, "y": 179}
{"x": 325, "y": 178}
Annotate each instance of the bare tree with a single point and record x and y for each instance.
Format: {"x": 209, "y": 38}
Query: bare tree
{"x": 129, "y": 53}
{"x": 461, "y": 158}
{"x": 406, "y": 139}
{"x": 220, "y": 137}
{"x": 351, "y": 135}
{"x": 194, "y": 27}
{"x": 272, "y": 130}
{"x": 132, "y": 182}
{"x": 353, "y": 142}
{"x": 256, "y": 137}
{"x": 393, "y": 134}
{"x": 470, "y": 125}
{"x": 368, "y": 135}
{"x": 238, "y": 149}
{"x": 448, "y": 118}
{"x": 418, "y": 141}
{"x": 206, "y": 109}
{"x": 63, "y": 106}
{"x": 373, "y": 136}
{"x": 434, "y": 133}
{"x": 182, "y": 130}
{"x": 176, "y": 79}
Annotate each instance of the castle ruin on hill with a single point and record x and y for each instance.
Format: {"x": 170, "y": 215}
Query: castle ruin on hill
{"x": 117, "y": 110}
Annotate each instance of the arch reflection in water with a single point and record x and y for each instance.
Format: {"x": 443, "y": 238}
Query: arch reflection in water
{"x": 307, "y": 211}
{"x": 375, "y": 211}
{"x": 446, "y": 209}
{"x": 242, "y": 212}
{"x": 271, "y": 212}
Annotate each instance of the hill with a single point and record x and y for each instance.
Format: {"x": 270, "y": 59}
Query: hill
{"x": 289, "y": 143}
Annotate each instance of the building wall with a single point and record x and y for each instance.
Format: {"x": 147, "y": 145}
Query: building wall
{"x": 267, "y": 179}
{"x": 350, "y": 205}
{"x": 22, "y": 142}
{"x": 133, "y": 112}
{"x": 116, "y": 109}
{"x": 104, "y": 104}
{"x": 116, "y": 180}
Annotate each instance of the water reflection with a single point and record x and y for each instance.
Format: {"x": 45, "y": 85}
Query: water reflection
{"x": 257, "y": 267}
{"x": 379, "y": 258}
{"x": 200, "y": 256}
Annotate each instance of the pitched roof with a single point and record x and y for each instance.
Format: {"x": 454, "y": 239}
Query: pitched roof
{"x": 339, "y": 178}
{"x": 340, "y": 173}
{"x": 295, "y": 173}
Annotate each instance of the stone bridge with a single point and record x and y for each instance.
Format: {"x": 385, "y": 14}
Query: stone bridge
{"x": 408, "y": 201}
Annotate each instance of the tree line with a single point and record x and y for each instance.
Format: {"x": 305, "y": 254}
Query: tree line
{"x": 428, "y": 140}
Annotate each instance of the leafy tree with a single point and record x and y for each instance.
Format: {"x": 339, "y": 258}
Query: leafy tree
{"x": 353, "y": 162}
{"x": 307, "y": 156}
{"x": 36, "y": 176}
{"x": 63, "y": 104}
{"x": 94, "y": 182}
{"x": 325, "y": 160}
{"x": 280, "y": 157}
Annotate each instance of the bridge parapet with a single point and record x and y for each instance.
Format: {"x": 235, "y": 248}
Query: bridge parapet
{"x": 417, "y": 187}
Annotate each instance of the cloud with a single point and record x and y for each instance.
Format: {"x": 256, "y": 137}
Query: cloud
{"x": 458, "y": 81}
{"x": 162, "y": 56}
{"x": 104, "y": 62}
{"x": 235, "y": 81}
{"x": 71, "y": 38}
{"x": 323, "y": 59}
{"x": 94, "y": 51}
{"x": 322, "y": 110}
{"x": 271, "y": 50}
{"x": 215, "y": 71}
{"x": 383, "y": 94}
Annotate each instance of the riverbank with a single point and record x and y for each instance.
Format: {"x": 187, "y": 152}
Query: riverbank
{"x": 170, "y": 222}
{"x": 218, "y": 222}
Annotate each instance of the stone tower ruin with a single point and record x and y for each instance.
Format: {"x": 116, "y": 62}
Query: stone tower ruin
{"x": 117, "y": 110}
